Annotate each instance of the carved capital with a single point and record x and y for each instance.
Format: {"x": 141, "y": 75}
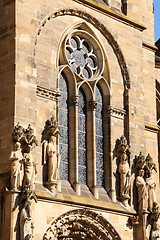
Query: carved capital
{"x": 116, "y": 112}
{"x": 93, "y": 105}
{"x": 75, "y": 100}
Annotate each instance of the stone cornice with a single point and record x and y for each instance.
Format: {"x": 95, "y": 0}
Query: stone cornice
{"x": 102, "y": 8}
{"x": 151, "y": 128}
{"x": 150, "y": 47}
{"x": 116, "y": 112}
{"x": 48, "y": 93}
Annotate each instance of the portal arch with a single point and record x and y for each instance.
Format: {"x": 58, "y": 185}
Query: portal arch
{"x": 81, "y": 224}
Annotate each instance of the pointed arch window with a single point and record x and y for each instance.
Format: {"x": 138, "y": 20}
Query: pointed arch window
{"x": 63, "y": 122}
{"x": 82, "y": 142}
{"x": 99, "y": 137}
{"x": 82, "y": 61}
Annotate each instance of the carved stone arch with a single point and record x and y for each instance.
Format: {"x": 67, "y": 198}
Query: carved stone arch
{"x": 81, "y": 224}
{"x": 72, "y": 83}
{"x": 102, "y": 82}
{"x": 116, "y": 48}
{"x": 87, "y": 90}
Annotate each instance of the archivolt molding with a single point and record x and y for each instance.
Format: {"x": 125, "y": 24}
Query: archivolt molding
{"x": 81, "y": 224}
{"x": 100, "y": 27}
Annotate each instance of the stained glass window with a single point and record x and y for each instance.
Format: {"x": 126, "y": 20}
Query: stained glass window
{"x": 99, "y": 137}
{"x": 63, "y": 122}
{"x": 82, "y": 144}
{"x": 81, "y": 56}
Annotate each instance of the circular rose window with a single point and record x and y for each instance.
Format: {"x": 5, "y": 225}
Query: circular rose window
{"x": 82, "y": 55}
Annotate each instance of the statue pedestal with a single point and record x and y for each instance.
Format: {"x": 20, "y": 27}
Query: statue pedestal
{"x": 95, "y": 191}
{"x": 124, "y": 199}
{"x": 52, "y": 185}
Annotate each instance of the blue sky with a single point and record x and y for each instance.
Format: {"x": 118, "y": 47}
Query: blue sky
{"x": 157, "y": 18}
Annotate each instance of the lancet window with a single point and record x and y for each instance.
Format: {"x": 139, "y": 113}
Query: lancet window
{"x": 81, "y": 109}
{"x": 63, "y": 121}
{"x": 82, "y": 141}
{"x": 99, "y": 137}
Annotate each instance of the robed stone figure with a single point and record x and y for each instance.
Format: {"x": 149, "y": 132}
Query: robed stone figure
{"x": 142, "y": 192}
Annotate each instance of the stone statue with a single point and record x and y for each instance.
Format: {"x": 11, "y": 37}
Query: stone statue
{"x": 155, "y": 213}
{"x": 124, "y": 171}
{"x": 149, "y": 167}
{"x": 26, "y": 225}
{"x": 53, "y": 164}
{"x": 142, "y": 192}
{"x": 30, "y": 170}
{"x": 155, "y": 235}
{"x": 16, "y": 167}
{"x": 151, "y": 192}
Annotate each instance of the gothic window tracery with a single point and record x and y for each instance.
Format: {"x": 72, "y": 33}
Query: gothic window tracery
{"x": 82, "y": 58}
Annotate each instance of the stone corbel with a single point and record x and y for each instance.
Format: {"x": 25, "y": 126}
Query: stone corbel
{"x": 116, "y": 112}
{"x": 53, "y": 95}
{"x": 75, "y": 100}
{"x": 93, "y": 105}
{"x": 133, "y": 221}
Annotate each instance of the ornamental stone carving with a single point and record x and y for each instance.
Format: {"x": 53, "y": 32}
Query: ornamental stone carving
{"x": 81, "y": 224}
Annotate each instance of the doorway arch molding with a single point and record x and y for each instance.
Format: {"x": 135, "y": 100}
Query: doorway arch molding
{"x": 81, "y": 224}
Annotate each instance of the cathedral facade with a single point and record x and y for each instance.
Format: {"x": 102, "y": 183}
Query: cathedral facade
{"x": 79, "y": 120}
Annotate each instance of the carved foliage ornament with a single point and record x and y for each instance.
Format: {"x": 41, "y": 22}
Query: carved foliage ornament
{"x": 21, "y": 134}
{"x": 52, "y": 127}
{"x": 123, "y": 146}
{"x": 81, "y": 224}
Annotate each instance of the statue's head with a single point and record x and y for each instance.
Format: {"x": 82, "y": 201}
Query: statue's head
{"x": 155, "y": 226}
{"x": 141, "y": 172}
{"x": 51, "y": 139}
{"x": 17, "y": 145}
{"x": 123, "y": 157}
